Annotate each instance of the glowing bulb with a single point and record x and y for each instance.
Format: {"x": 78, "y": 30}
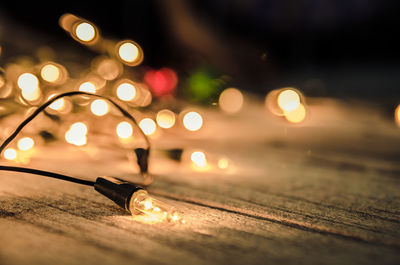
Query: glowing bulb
{"x": 50, "y": 73}
{"x": 85, "y": 32}
{"x": 10, "y": 154}
{"x": 99, "y": 107}
{"x": 141, "y": 202}
{"x": 297, "y": 115}
{"x": 25, "y": 143}
{"x": 76, "y": 134}
{"x": 124, "y": 130}
{"x": 199, "y": 159}
{"x": 126, "y": 91}
{"x": 148, "y": 126}
{"x": 223, "y": 163}
{"x": 87, "y": 87}
{"x": 288, "y": 100}
{"x": 28, "y": 82}
{"x": 231, "y": 100}
{"x": 192, "y": 121}
{"x": 165, "y": 118}
{"x": 128, "y": 52}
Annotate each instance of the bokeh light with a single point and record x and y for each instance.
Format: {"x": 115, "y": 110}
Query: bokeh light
{"x": 198, "y": 158}
{"x": 109, "y": 69}
{"x": 288, "y": 100}
{"x": 297, "y": 115}
{"x": 192, "y": 121}
{"x": 25, "y": 143}
{"x": 126, "y": 91}
{"x": 99, "y": 107}
{"x": 87, "y": 87}
{"x": 76, "y": 134}
{"x": 161, "y": 82}
{"x": 165, "y": 118}
{"x": 59, "y": 104}
{"x": 50, "y": 73}
{"x": 124, "y": 130}
{"x": 231, "y": 100}
{"x": 10, "y": 154}
{"x": 85, "y": 32}
{"x": 148, "y": 126}
{"x": 223, "y": 163}
{"x": 129, "y": 52}
{"x": 28, "y": 82}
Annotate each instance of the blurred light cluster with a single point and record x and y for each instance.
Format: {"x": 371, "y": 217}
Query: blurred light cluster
{"x": 288, "y": 102}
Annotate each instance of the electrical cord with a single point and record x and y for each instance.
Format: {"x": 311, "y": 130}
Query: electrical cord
{"x": 47, "y": 174}
{"x": 142, "y": 154}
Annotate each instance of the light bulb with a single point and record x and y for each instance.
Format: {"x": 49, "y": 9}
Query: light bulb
{"x": 142, "y": 202}
{"x": 136, "y": 200}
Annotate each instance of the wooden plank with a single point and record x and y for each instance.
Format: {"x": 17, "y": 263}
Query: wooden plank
{"x": 312, "y": 194}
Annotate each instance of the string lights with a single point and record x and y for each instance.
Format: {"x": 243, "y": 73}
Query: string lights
{"x": 110, "y": 84}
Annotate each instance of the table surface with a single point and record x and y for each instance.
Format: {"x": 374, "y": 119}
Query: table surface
{"x": 323, "y": 192}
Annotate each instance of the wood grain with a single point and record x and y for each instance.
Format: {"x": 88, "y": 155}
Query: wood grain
{"x": 325, "y": 192}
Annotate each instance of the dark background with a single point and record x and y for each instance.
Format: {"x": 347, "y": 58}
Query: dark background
{"x": 334, "y": 48}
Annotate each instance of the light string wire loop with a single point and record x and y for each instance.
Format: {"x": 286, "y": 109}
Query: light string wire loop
{"x": 141, "y": 153}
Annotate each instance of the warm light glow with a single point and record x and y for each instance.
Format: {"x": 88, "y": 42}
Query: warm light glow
{"x": 128, "y": 52}
{"x": 199, "y": 159}
{"x": 165, "y": 118}
{"x": 76, "y": 134}
{"x": 31, "y": 96}
{"x": 297, "y": 115}
{"x": 192, "y": 121}
{"x": 156, "y": 210}
{"x": 25, "y": 143}
{"x": 50, "y": 73}
{"x": 59, "y": 104}
{"x": 124, "y": 130}
{"x": 126, "y": 91}
{"x": 109, "y": 69}
{"x": 147, "y": 205}
{"x": 99, "y": 107}
{"x": 28, "y": 82}
{"x": 397, "y": 115}
{"x": 231, "y": 100}
{"x": 288, "y": 100}
{"x": 79, "y": 127}
{"x": 85, "y": 32}
{"x": 148, "y": 126}
{"x": 87, "y": 87}
{"x": 67, "y": 20}
{"x": 223, "y": 163}
{"x": 10, "y": 154}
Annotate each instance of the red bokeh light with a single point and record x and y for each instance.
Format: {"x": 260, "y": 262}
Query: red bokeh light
{"x": 161, "y": 82}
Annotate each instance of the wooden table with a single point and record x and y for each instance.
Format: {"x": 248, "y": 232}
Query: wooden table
{"x": 324, "y": 192}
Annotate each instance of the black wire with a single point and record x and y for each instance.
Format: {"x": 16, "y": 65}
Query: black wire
{"x": 143, "y": 154}
{"x": 47, "y": 174}
{"x": 67, "y": 94}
